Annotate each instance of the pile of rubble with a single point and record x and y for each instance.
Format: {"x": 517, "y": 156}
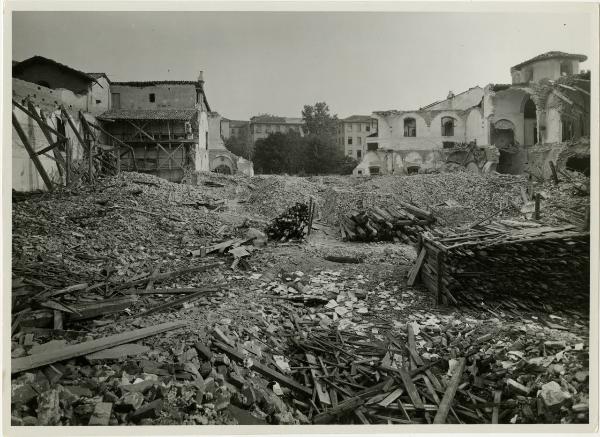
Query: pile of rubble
{"x": 454, "y": 198}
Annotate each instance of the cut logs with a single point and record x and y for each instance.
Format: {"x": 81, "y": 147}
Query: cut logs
{"x": 401, "y": 223}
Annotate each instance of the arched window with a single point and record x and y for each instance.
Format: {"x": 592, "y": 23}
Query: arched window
{"x": 447, "y": 127}
{"x": 410, "y": 127}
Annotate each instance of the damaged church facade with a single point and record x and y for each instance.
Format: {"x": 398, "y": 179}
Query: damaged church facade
{"x": 509, "y": 128}
{"x": 70, "y": 124}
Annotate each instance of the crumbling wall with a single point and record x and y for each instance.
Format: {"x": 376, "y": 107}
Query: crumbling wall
{"x": 540, "y": 156}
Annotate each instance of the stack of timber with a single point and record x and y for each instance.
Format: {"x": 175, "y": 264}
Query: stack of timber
{"x": 291, "y": 224}
{"x": 402, "y": 222}
{"x": 525, "y": 269}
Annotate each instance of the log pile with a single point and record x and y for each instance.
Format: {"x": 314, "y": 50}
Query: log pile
{"x": 291, "y": 224}
{"x": 538, "y": 268}
{"x": 402, "y": 222}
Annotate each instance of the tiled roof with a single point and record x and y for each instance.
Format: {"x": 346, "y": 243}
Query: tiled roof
{"x": 551, "y": 55}
{"x": 149, "y": 114}
{"x": 359, "y": 118}
{"x": 157, "y": 82}
{"x": 16, "y": 69}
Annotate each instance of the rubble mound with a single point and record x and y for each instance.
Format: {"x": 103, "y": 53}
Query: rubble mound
{"x": 454, "y": 198}
{"x": 272, "y": 195}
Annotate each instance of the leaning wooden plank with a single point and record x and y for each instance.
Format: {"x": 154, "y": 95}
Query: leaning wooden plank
{"x": 324, "y": 397}
{"x": 50, "y": 128}
{"x": 414, "y": 272}
{"x": 36, "y": 160}
{"x": 264, "y": 370}
{"x": 77, "y": 350}
{"x": 436, "y": 382}
{"x": 170, "y": 290}
{"x": 168, "y": 275}
{"x": 411, "y": 389}
{"x": 446, "y": 403}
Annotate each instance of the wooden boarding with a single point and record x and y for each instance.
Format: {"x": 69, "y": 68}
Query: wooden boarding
{"x": 496, "y": 409}
{"x": 444, "y": 407}
{"x": 264, "y": 370}
{"x": 324, "y": 397}
{"x": 391, "y": 397}
{"x": 88, "y": 347}
{"x": 411, "y": 389}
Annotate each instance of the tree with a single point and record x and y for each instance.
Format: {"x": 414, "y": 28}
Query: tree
{"x": 280, "y": 153}
{"x": 239, "y": 146}
{"x": 318, "y": 121}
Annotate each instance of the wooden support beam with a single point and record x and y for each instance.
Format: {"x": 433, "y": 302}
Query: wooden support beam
{"x": 73, "y": 127}
{"x": 581, "y": 90}
{"x": 554, "y": 174}
{"x": 50, "y": 128}
{"x": 44, "y": 128}
{"x": 36, "y": 161}
{"x": 118, "y": 141}
{"x": 414, "y": 272}
{"x": 88, "y": 347}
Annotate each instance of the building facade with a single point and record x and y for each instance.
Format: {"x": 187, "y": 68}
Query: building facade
{"x": 352, "y": 134}
{"x": 164, "y": 122}
{"x": 261, "y": 126}
{"x": 546, "y": 103}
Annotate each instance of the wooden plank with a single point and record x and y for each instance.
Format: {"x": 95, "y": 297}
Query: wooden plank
{"x": 324, "y": 397}
{"x": 414, "y": 272}
{"x": 100, "y": 308}
{"x": 391, "y": 397}
{"x": 496, "y": 409}
{"x": 101, "y": 414}
{"x": 88, "y": 347}
{"x": 436, "y": 383}
{"x": 50, "y": 128}
{"x": 411, "y": 389}
{"x": 264, "y": 370}
{"x": 446, "y": 403}
{"x": 73, "y": 127}
{"x": 36, "y": 161}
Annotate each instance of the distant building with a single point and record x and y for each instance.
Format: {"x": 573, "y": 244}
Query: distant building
{"x": 263, "y": 125}
{"x": 222, "y": 160}
{"x": 352, "y": 133}
{"x": 548, "y": 102}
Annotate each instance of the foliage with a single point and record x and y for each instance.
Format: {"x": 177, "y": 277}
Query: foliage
{"x": 318, "y": 121}
{"x": 239, "y": 146}
{"x": 315, "y": 153}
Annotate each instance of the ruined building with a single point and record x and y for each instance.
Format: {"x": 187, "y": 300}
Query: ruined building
{"x": 51, "y": 105}
{"x": 502, "y": 127}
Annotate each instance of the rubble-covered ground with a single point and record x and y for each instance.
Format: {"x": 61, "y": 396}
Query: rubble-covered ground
{"x": 347, "y": 333}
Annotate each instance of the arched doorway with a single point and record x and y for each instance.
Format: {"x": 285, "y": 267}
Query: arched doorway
{"x": 223, "y": 169}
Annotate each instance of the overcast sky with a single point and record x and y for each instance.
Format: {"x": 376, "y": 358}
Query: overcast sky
{"x": 275, "y": 62}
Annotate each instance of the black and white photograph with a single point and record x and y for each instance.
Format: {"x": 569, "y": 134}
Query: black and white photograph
{"x": 230, "y": 215}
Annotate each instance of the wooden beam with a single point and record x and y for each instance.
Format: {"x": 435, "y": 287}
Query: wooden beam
{"x": 36, "y": 161}
{"x": 44, "y": 128}
{"x": 73, "y": 127}
{"x": 582, "y": 90}
{"x": 50, "y": 128}
{"x": 444, "y": 407}
{"x": 85, "y": 348}
{"x": 414, "y": 272}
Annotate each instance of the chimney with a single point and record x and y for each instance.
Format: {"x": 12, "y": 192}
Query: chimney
{"x": 201, "y": 76}
{"x": 450, "y": 95}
